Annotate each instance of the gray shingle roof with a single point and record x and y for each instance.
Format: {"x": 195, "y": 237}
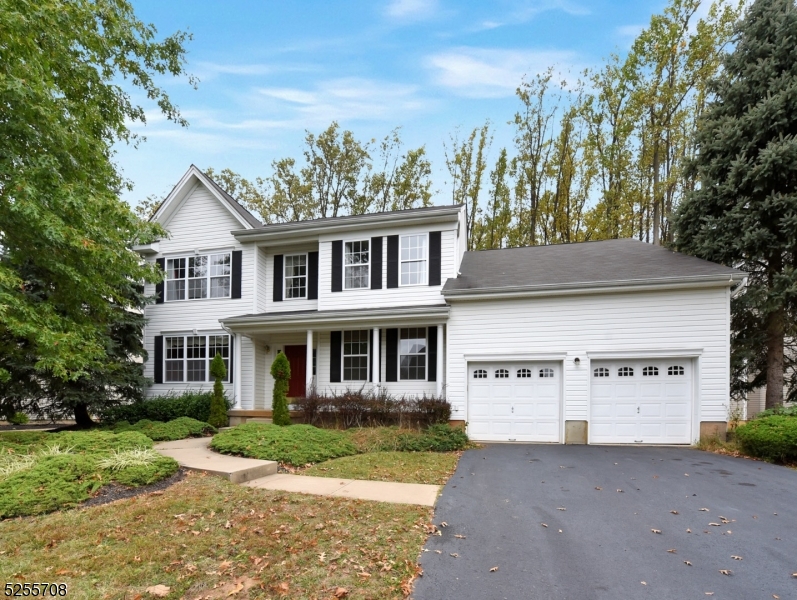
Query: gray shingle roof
{"x": 586, "y": 264}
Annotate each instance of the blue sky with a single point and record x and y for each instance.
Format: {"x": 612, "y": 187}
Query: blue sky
{"x": 270, "y": 70}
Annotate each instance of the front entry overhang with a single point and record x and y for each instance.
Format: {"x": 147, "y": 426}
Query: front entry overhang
{"x": 291, "y": 321}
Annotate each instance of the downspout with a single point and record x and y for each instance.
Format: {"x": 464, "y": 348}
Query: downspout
{"x": 737, "y": 291}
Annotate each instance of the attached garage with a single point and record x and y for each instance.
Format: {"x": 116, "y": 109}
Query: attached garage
{"x": 515, "y": 401}
{"x": 641, "y": 401}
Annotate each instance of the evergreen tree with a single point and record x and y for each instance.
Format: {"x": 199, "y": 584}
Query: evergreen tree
{"x": 745, "y": 212}
{"x": 281, "y": 372}
{"x": 218, "y": 404}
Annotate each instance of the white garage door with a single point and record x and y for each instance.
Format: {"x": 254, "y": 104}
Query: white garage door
{"x": 641, "y": 402}
{"x": 514, "y": 402}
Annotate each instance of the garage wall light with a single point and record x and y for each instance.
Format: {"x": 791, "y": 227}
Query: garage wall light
{"x": 577, "y": 361}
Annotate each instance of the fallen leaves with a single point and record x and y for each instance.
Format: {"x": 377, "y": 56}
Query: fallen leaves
{"x": 340, "y": 592}
{"x": 543, "y": 524}
{"x": 726, "y": 571}
{"x": 159, "y": 591}
{"x": 454, "y": 554}
{"x": 687, "y": 563}
{"x": 493, "y": 569}
{"x": 656, "y": 531}
{"x": 459, "y": 536}
{"x": 704, "y": 509}
{"x": 620, "y": 491}
{"x": 672, "y": 551}
{"x": 715, "y": 524}
{"x": 674, "y": 512}
{"x": 734, "y": 557}
{"x": 561, "y": 508}
{"x": 598, "y": 488}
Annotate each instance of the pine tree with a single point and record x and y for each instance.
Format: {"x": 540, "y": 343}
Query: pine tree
{"x": 218, "y": 404}
{"x": 281, "y": 372}
{"x": 745, "y": 212}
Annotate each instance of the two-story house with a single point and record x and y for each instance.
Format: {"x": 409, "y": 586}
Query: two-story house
{"x": 601, "y": 342}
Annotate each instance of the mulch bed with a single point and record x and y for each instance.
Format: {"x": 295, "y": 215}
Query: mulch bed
{"x": 113, "y": 491}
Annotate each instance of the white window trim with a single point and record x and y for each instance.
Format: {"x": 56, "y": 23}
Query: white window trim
{"x": 306, "y": 276}
{"x": 186, "y": 279}
{"x": 426, "y": 260}
{"x": 343, "y": 356}
{"x": 368, "y": 264}
{"x": 426, "y": 354}
{"x": 208, "y": 358}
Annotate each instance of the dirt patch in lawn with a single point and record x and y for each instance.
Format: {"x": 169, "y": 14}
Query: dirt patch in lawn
{"x": 114, "y": 491}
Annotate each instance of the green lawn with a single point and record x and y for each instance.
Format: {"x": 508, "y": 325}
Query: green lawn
{"x": 404, "y": 467}
{"x": 206, "y": 537}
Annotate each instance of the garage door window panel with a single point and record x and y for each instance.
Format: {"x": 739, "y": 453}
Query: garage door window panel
{"x": 675, "y": 370}
{"x": 480, "y": 374}
{"x": 625, "y": 372}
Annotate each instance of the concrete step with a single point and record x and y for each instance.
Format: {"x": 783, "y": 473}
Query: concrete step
{"x": 194, "y": 454}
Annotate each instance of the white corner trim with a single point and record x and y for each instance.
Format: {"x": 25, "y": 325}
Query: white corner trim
{"x": 646, "y": 353}
{"x": 516, "y": 357}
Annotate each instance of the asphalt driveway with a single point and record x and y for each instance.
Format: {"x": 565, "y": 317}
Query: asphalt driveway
{"x": 600, "y": 505}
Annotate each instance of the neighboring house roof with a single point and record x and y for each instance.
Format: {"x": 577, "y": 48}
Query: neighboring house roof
{"x": 184, "y": 186}
{"x": 427, "y": 214}
{"x": 606, "y": 263}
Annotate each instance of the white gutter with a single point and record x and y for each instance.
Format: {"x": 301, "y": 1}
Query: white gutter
{"x": 598, "y": 287}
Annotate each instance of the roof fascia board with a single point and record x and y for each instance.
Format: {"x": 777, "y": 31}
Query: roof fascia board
{"x": 321, "y": 226}
{"x": 267, "y": 323}
{"x": 608, "y": 287}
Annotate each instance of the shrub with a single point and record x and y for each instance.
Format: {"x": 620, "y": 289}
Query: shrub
{"x": 784, "y": 411}
{"x": 358, "y": 408}
{"x": 18, "y": 418}
{"x": 164, "y": 408}
{"x": 218, "y": 404}
{"x": 295, "y": 445}
{"x": 281, "y": 372}
{"x": 177, "y": 429}
{"x": 437, "y": 438}
{"x": 772, "y": 437}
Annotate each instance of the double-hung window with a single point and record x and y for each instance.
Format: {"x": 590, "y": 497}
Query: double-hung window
{"x": 296, "y": 276}
{"x": 414, "y": 256}
{"x": 355, "y": 355}
{"x": 188, "y": 357}
{"x": 355, "y": 265}
{"x": 412, "y": 354}
{"x": 200, "y": 276}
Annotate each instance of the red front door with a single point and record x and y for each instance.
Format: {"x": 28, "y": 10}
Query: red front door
{"x": 297, "y": 357}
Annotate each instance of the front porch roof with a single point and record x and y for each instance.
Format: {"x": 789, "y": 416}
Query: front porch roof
{"x": 288, "y": 321}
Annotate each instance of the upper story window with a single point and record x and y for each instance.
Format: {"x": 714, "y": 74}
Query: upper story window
{"x": 412, "y": 354}
{"x": 200, "y": 276}
{"x": 188, "y": 357}
{"x": 355, "y": 265}
{"x": 414, "y": 255}
{"x": 296, "y": 276}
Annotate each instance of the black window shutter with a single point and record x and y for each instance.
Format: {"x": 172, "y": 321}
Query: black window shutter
{"x": 231, "y": 369}
{"x": 391, "y": 354}
{"x": 392, "y": 261}
{"x": 312, "y": 276}
{"x": 159, "y": 286}
{"x": 236, "y": 273}
{"x": 278, "y": 265}
{"x": 337, "y": 266}
{"x": 434, "y": 259}
{"x": 376, "y": 263}
{"x": 334, "y": 356}
{"x": 431, "y": 354}
{"x": 159, "y": 358}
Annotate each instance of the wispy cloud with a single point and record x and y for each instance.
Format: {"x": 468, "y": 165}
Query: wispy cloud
{"x": 411, "y": 9}
{"x": 629, "y": 32}
{"x": 524, "y": 12}
{"x": 492, "y": 73}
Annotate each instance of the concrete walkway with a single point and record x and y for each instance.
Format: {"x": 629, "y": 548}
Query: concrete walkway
{"x": 194, "y": 454}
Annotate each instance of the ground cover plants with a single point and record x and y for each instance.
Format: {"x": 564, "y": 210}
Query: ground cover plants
{"x": 204, "y": 532}
{"x": 42, "y": 472}
{"x": 177, "y": 429}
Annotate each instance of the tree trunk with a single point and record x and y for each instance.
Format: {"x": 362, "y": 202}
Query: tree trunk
{"x": 656, "y": 204}
{"x": 83, "y": 419}
{"x": 775, "y": 327}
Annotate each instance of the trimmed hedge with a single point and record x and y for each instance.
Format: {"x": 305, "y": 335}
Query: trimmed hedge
{"x": 365, "y": 409}
{"x": 178, "y": 429}
{"x": 195, "y": 405}
{"x": 773, "y": 438}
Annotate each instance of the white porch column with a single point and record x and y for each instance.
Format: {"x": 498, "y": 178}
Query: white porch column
{"x": 236, "y": 385}
{"x": 377, "y": 366}
{"x": 309, "y": 363}
{"x": 441, "y": 348}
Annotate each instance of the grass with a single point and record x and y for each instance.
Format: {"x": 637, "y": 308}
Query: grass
{"x": 404, "y": 467}
{"x": 42, "y": 472}
{"x": 205, "y": 532}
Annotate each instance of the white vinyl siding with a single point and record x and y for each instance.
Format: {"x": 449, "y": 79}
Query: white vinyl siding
{"x": 609, "y": 323}
{"x": 266, "y": 293}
